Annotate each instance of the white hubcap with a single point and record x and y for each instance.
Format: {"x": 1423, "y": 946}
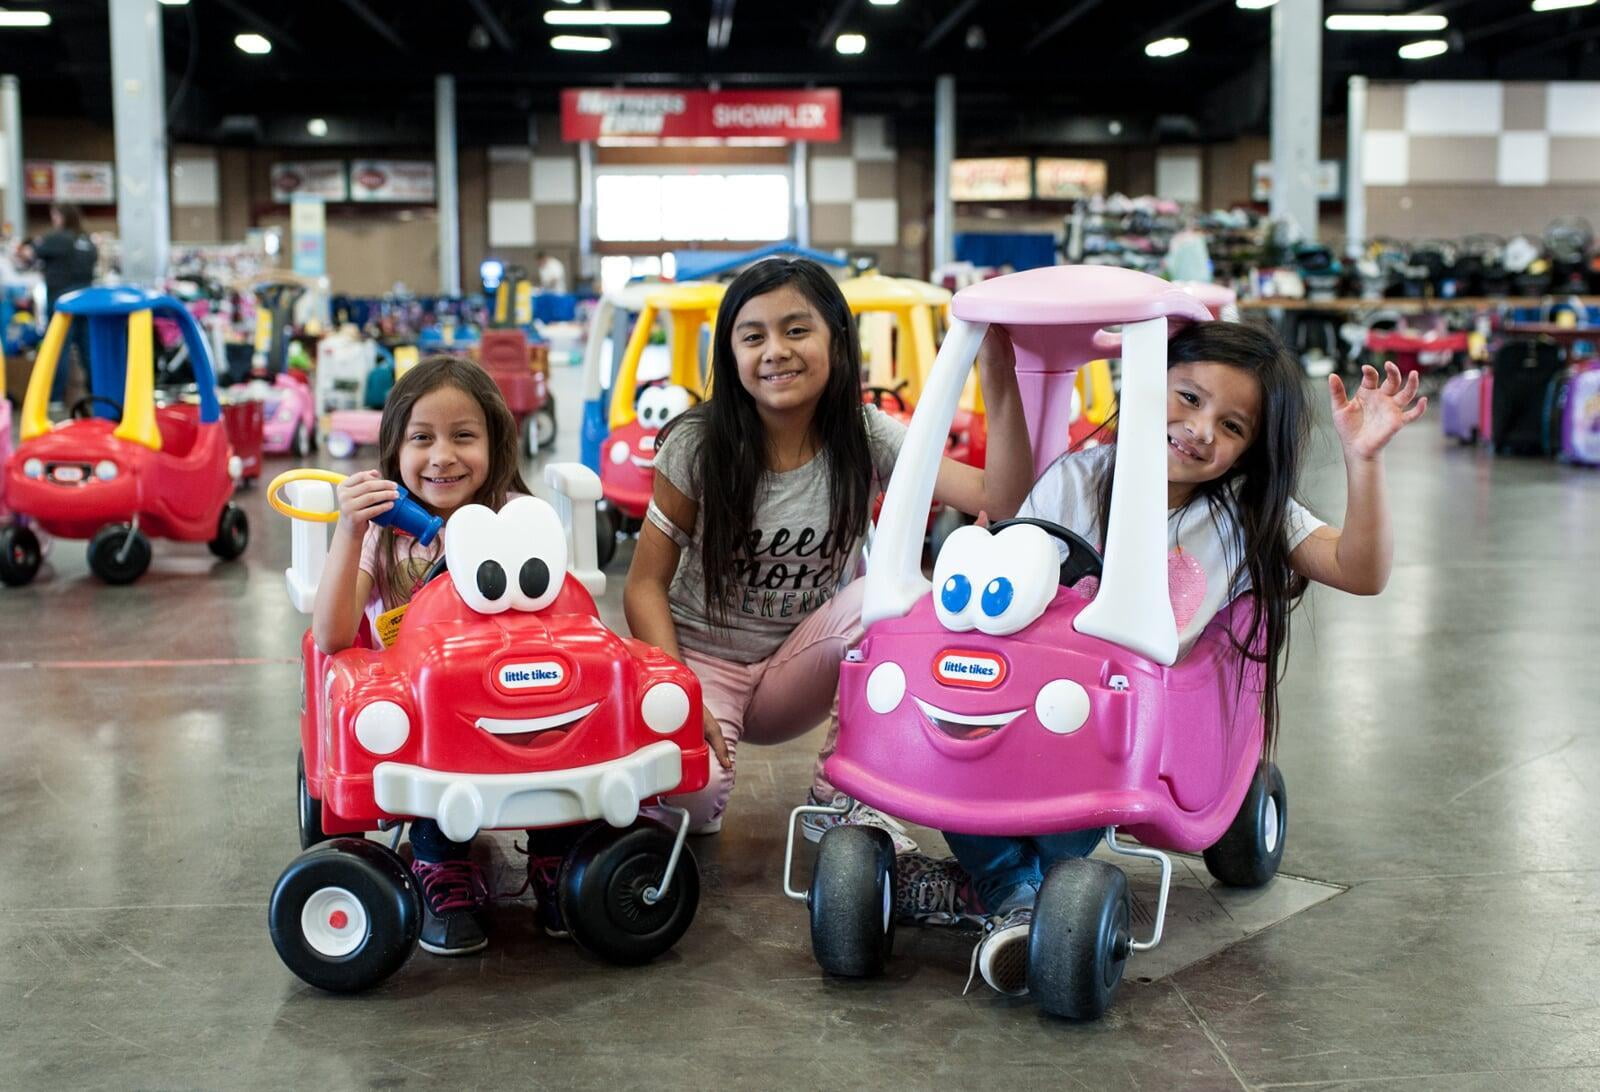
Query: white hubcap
{"x": 333, "y": 922}
{"x": 1272, "y": 824}
{"x": 888, "y": 899}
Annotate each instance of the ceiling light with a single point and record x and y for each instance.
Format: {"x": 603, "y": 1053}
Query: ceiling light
{"x": 851, "y": 43}
{"x": 607, "y": 18}
{"x": 1417, "y": 51}
{"x": 883, "y": 3}
{"x": 1557, "y": 5}
{"x": 24, "y": 18}
{"x": 252, "y": 43}
{"x": 1166, "y": 47}
{"x": 1386, "y": 22}
{"x": 176, "y": 3}
{"x": 1255, "y": 5}
{"x": 317, "y": 127}
{"x": 577, "y": 43}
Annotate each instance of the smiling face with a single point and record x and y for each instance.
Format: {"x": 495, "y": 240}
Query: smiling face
{"x": 783, "y": 351}
{"x": 444, "y": 456}
{"x": 1213, "y": 413}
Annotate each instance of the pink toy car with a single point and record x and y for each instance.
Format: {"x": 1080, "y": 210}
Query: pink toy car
{"x": 288, "y": 416}
{"x": 350, "y": 429}
{"x": 1003, "y": 701}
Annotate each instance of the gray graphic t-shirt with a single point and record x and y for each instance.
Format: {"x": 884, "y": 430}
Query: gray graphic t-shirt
{"x": 794, "y": 564}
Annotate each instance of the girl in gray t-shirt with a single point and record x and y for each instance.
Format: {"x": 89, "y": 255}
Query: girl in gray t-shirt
{"x": 763, "y": 494}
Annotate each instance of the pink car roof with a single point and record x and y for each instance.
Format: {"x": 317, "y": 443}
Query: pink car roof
{"x": 1075, "y": 295}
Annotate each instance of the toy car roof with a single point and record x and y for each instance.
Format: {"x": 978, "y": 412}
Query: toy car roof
{"x": 1074, "y": 295}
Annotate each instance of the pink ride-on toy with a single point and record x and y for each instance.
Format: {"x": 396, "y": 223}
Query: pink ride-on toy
{"x": 1005, "y": 702}
{"x": 503, "y": 702}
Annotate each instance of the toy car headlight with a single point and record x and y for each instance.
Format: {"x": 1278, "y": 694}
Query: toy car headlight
{"x": 33, "y": 468}
{"x": 665, "y": 708}
{"x": 285, "y": 411}
{"x": 382, "y": 727}
{"x": 619, "y": 452}
{"x": 105, "y": 470}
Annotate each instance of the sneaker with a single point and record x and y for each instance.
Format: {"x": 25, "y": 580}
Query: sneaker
{"x": 859, "y": 815}
{"x": 1001, "y": 957}
{"x": 543, "y": 874}
{"x": 710, "y": 826}
{"x": 452, "y": 894}
{"x": 933, "y": 891}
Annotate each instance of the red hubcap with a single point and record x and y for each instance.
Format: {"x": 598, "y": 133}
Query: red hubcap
{"x": 338, "y": 919}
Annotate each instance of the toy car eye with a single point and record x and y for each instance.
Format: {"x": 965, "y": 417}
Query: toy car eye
{"x": 956, "y": 594}
{"x": 534, "y": 578}
{"x": 491, "y": 580}
{"x": 997, "y": 596}
{"x": 674, "y": 403}
{"x": 1014, "y": 601}
{"x": 955, "y": 574}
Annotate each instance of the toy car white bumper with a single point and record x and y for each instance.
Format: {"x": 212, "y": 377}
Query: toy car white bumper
{"x": 464, "y": 804}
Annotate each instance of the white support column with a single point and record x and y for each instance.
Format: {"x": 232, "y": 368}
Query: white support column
{"x": 1355, "y": 184}
{"x": 15, "y": 212}
{"x": 444, "y": 151}
{"x": 944, "y": 153}
{"x": 1296, "y": 112}
{"x": 139, "y": 113}
{"x": 587, "y": 266}
{"x": 800, "y": 165}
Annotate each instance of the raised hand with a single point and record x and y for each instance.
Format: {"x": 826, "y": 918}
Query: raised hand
{"x": 1367, "y": 422}
{"x": 362, "y": 496}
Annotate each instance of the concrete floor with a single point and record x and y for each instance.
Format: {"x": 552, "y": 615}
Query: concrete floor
{"x": 1439, "y": 745}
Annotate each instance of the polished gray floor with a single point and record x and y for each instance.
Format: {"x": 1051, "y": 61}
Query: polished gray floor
{"x": 1440, "y": 747}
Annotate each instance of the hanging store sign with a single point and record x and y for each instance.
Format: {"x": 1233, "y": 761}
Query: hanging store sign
{"x": 593, "y": 113}
{"x": 69, "y": 180}
{"x": 1068, "y": 179}
{"x": 991, "y": 179}
{"x": 318, "y": 178}
{"x": 308, "y": 230}
{"x": 391, "y": 180}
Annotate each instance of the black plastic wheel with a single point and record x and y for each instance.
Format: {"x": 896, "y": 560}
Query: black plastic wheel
{"x": 118, "y": 554}
{"x": 545, "y": 421}
{"x": 602, "y": 889}
{"x": 20, "y": 555}
{"x": 233, "y": 533}
{"x": 311, "y": 832}
{"x": 852, "y": 901}
{"x": 345, "y": 915}
{"x": 605, "y": 534}
{"x": 1079, "y": 943}
{"x": 303, "y": 440}
{"x": 1249, "y": 853}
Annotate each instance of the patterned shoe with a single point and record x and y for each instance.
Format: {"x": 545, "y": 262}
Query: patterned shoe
{"x": 452, "y": 894}
{"x": 933, "y": 891}
{"x": 1001, "y": 957}
{"x": 859, "y": 815}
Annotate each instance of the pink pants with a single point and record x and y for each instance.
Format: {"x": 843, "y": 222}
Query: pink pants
{"x": 777, "y": 699}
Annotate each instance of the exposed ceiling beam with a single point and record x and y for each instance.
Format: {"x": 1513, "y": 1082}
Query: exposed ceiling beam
{"x": 1550, "y": 45}
{"x": 273, "y": 32}
{"x": 492, "y": 24}
{"x": 719, "y": 30}
{"x": 1072, "y": 15}
{"x": 1180, "y": 21}
{"x": 949, "y": 23}
{"x": 835, "y": 23}
{"x": 381, "y": 28}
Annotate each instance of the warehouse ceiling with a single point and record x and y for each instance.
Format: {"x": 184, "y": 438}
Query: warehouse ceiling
{"x": 1029, "y": 71}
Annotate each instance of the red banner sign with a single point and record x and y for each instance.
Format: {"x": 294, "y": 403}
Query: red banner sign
{"x": 593, "y": 113}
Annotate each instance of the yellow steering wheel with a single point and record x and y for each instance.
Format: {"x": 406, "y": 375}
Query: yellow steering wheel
{"x": 303, "y": 474}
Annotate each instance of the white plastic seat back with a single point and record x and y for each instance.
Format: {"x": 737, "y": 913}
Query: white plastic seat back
{"x": 576, "y": 491}
{"x": 308, "y": 542}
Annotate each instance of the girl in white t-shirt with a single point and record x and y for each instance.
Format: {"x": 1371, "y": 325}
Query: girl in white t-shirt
{"x": 447, "y": 435}
{"x": 1237, "y": 421}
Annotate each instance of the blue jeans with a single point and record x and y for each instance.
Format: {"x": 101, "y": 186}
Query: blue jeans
{"x": 1007, "y": 872}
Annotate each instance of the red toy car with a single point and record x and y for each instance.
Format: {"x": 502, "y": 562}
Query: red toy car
{"x": 503, "y": 703}
{"x": 123, "y": 468}
{"x": 628, "y": 464}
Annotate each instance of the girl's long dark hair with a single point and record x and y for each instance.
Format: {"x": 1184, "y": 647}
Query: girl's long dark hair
{"x": 733, "y": 445}
{"x": 1255, "y": 491}
{"x": 392, "y": 580}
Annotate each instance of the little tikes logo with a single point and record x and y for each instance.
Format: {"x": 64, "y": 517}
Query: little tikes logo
{"x": 958, "y": 667}
{"x": 540, "y": 675}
